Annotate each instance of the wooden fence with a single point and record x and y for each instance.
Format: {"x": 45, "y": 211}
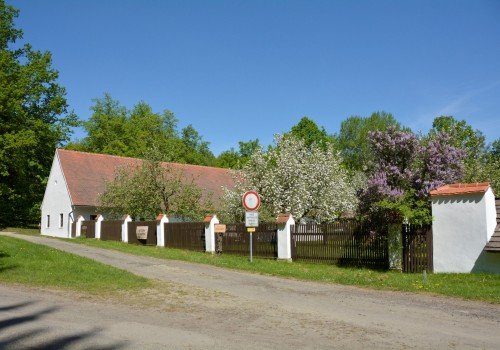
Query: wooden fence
{"x": 185, "y": 235}
{"x": 417, "y": 248}
{"x": 151, "y": 235}
{"x": 344, "y": 242}
{"x": 88, "y": 229}
{"x": 111, "y": 230}
{"x": 236, "y": 240}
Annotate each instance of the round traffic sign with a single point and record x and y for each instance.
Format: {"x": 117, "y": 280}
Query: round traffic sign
{"x": 251, "y": 200}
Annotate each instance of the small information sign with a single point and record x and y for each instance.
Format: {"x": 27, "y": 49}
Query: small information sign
{"x": 252, "y": 219}
{"x": 250, "y": 229}
{"x": 220, "y": 228}
{"x": 141, "y": 232}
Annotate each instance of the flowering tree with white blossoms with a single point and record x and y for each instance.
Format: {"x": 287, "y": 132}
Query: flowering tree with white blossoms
{"x": 307, "y": 182}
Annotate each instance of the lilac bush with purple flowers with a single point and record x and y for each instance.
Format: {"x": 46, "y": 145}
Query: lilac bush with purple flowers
{"x": 406, "y": 169}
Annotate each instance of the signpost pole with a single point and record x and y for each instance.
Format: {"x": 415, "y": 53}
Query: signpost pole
{"x": 251, "y": 252}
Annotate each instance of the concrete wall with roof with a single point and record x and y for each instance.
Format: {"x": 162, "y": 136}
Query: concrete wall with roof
{"x": 463, "y": 222}
{"x": 56, "y": 202}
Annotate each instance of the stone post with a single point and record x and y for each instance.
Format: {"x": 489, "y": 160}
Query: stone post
{"x": 285, "y": 221}
{"x": 210, "y": 221}
{"x": 78, "y": 229}
{"x": 125, "y": 220}
{"x": 98, "y": 221}
{"x": 161, "y": 219}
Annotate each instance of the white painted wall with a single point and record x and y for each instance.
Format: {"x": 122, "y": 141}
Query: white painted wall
{"x": 461, "y": 228}
{"x": 56, "y": 201}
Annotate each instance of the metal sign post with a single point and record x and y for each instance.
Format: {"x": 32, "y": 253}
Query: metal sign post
{"x": 251, "y": 202}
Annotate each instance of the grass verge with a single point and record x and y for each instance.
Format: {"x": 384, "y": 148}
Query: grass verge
{"x": 37, "y": 265}
{"x": 477, "y": 286}
{"x": 24, "y": 230}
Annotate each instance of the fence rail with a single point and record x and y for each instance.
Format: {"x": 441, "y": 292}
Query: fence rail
{"x": 111, "y": 230}
{"x": 345, "y": 242}
{"x": 236, "y": 240}
{"x": 185, "y": 235}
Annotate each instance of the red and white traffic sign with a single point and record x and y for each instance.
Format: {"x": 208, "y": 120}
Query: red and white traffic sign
{"x": 251, "y": 200}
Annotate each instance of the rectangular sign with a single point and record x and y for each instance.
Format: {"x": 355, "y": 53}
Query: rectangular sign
{"x": 220, "y": 228}
{"x": 250, "y": 229}
{"x": 141, "y": 232}
{"x": 251, "y": 219}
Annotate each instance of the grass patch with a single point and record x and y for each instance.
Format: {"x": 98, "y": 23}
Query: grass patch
{"x": 484, "y": 287}
{"x": 24, "y": 230}
{"x": 37, "y": 265}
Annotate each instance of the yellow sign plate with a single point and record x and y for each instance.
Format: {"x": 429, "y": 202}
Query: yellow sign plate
{"x": 250, "y": 229}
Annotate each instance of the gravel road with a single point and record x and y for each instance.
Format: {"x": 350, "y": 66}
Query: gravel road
{"x": 204, "y": 307}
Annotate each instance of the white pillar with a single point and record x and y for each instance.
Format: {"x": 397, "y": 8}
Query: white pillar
{"x": 284, "y": 234}
{"x": 98, "y": 221}
{"x": 161, "y": 219}
{"x": 79, "y": 220}
{"x": 210, "y": 221}
{"x": 125, "y": 220}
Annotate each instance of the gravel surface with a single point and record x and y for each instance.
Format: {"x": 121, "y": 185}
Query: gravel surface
{"x": 197, "y": 306}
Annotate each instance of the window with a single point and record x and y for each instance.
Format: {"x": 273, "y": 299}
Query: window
{"x": 61, "y": 218}
{"x": 48, "y": 220}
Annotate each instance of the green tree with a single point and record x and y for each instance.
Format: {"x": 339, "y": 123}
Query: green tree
{"x": 464, "y": 137}
{"x": 34, "y": 120}
{"x": 308, "y": 131}
{"x": 237, "y": 159}
{"x": 353, "y": 141}
{"x": 154, "y": 187}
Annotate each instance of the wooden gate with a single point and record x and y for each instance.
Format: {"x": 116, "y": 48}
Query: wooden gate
{"x": 236, "y": 240}
{"x": 88, "y": 229}
{"x": 417, "y": 248}
{"x": 151, "y": 235}
{"x": 111, "y": 230}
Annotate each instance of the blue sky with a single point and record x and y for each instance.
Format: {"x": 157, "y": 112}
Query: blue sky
{"x": 239, "y": 70}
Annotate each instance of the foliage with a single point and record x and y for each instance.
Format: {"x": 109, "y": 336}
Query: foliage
{"x": 293, "y": 178}
{"x": 406, "y": 169}
{"x": 154, "y": 187}
{"x": 489, "y": 168}
{"x": 112, "y": 129}
{"x": 33, "y": 121}
{"x": 237, "y": 159}
{"x": 353, "y": 140}
{"x": 464, "y": 137}
{"x": 309, "y": 132}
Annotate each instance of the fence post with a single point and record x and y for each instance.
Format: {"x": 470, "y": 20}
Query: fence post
{"x": 161, "y": 219}
{"x": 125, "y": 220}
{"x": 98, "y": 221}
{"x": 284, "y": 236}
{"x": 78, "y": 229}
{"x": 210, "y": 221}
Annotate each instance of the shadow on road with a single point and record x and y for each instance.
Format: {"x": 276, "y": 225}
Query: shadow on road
{"x": 22, "y": 339}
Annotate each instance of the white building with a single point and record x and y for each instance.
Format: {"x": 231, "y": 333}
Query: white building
{"x": 465, "y": 233}
{"x": 77, "y": 178}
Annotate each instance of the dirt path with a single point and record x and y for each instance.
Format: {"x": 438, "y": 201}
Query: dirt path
{"x": 209, "y": 307}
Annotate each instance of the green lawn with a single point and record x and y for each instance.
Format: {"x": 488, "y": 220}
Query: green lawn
{"x": 37, "y": 265}
{"x": 485, "y": 287}
{"x": 32, "y": 231}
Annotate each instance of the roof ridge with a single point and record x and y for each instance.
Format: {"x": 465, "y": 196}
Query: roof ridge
{"x": 142, "y": 159}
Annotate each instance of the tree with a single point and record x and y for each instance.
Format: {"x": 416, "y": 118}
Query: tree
{"x": 353, "y": 139}
{"x": 464, "y": 137}
{"x": 113, "y": 129}
{"x": 151, "y": 188}
{"x": 237, "y": 159}
{"x": 293, "y": 178}
{"x": 34, "y": 120}
{"x": 308, "y": 131}
{"x": 405, "y": 170}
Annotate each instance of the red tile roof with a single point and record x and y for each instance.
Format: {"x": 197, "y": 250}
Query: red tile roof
{"x": 454, "y": 189}
{"x": 86, "y": 175}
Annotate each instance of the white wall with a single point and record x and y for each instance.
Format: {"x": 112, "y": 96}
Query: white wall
{"x": 56, "y": 201}
{"x": 461, "y": 228}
